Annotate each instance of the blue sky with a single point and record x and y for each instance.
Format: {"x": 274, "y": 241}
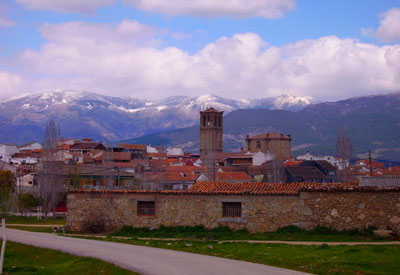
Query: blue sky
{"x": 32, "y": 32}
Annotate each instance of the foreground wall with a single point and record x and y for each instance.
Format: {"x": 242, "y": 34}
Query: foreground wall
{"x": 340, "y": 210}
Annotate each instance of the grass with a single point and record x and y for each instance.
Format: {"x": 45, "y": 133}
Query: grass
{"x": 33, "y": 229}
{"x": 26, "y": 259}
{"x": 323, "y": 259}
{"x": 33, "y": 220}
{"x": 288, "y": 233}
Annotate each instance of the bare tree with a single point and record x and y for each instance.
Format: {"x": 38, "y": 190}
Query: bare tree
{"x": 210, "y": 162}
{"x": 7, "y": 187}
{"x": 274, "y": 171}
{"x": 344, "y": 148}
{"x": 50, "y": 174}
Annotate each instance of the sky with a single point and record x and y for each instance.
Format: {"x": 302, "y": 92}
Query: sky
{"x": 232, "y": 48}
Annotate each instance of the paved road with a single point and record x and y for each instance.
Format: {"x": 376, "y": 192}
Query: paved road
{"x": 142, "y": 259}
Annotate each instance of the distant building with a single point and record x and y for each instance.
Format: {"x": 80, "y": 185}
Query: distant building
{"x": 30, "y": 146}
{"x": 175, "y": 151}
{"x": 325, "y": 167}
{"x": 211, "y": 132}
{"x": 138, "y": 151}
{"x": 388, "y": 181}
{"x": 339, "y": 163}
{"x": 7, "y": 151}
{"x": 85, "y": 147}
{"x": 273, "y": 143}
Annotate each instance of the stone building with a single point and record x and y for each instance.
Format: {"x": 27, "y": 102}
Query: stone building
{"x": 274, "y": 143}
{"x": 258, "y": 207}
{"x": 211, "y": 133}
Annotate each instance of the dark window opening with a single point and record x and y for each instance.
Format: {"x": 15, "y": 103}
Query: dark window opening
{"x": 231, "y": 209}
{"x": 219, "y": 121}
{"x": 215, "y": 121}
{"x": 258, "y": 144}
{"x": 204, "y": 120}
{"x": 146, "y": 208}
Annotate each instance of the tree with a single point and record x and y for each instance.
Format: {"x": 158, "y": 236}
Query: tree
{"x": 50, "y": 172}
{"x": 274, "y": 171}
{"x": 344, "y": 148}
{"x": 210, "y": 162}
{"x": 7, "y": 187}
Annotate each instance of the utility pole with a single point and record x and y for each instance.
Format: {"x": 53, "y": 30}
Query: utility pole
{"x": 370, "y": 163}
{"x": 3, "y": 245}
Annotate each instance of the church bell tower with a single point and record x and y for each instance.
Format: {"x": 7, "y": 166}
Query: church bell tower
{"x": 211, "y": 132}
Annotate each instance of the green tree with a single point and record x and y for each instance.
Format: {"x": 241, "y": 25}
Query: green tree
{"x": 7, "y": 186}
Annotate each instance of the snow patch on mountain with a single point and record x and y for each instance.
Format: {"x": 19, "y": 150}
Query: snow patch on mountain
{"x": 285, "y": 100}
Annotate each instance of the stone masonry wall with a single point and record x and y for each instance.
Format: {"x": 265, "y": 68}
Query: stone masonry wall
{"x": 340, "y": 210}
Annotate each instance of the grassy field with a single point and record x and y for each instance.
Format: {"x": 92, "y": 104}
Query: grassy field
{"x": 289, "y": 233}
{"x": 25, "y": 259}
{"x": 33, "y": 220}
{"x": 33, "y": 228}
{"x": 321, "y": 259}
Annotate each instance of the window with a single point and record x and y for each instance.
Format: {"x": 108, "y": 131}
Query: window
{"x": 219, "y": 121}
{"x": 258, "y": 144}
{"x": 146, "y": 208}
{"x": 204, "y": 120}
{"x": 215, "y": 121}
{"x": 232, "y": 209}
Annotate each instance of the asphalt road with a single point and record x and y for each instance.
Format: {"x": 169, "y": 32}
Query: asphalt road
{"x": 142, "y": 259}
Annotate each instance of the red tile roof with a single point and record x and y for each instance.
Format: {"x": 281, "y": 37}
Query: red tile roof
{"x": 291, "y": 163}
{"x": 233, "y": 176}
{"x": 254, "y": 188}
{"x": 142, "y": 147}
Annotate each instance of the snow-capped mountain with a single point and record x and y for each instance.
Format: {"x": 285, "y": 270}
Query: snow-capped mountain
{"x": 85, "y": 114}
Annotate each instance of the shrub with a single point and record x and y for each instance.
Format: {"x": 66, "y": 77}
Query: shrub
{"x": 290, "y": 229}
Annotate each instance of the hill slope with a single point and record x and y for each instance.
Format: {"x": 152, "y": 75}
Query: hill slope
{"x": 84, "y": 114}
{"x": 373, "y": 122}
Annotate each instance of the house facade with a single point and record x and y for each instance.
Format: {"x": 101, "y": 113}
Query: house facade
{"x": 258, "y": 207}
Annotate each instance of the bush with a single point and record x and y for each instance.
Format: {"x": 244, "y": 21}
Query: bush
{"x": 290, "y": 229}
{"x": 323, "y": 230}
{"x": 197, "y": 231}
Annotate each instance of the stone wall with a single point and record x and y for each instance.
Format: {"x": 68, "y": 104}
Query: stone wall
{"x": 340, "y": 210}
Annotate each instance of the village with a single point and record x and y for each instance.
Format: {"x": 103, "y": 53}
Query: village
{"x": 267, "y": 157}
{"x": 264, "y": 167}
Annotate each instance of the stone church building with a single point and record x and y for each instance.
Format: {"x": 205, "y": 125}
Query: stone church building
{"x": 274, "y": 143}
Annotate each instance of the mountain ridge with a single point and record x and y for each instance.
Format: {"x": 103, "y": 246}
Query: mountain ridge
{"x": 373, "y": 122}
{"x": 82, "y": 114}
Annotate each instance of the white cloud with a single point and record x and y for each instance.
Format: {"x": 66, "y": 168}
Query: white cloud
{"x": 211, "y": 8}
{"x": 74, "y": 6}
{"x": 10, "y": 84}
{"x": 389, "y": 26}
{"x": 128, "y": 59}
{"x": 5, "y": 22}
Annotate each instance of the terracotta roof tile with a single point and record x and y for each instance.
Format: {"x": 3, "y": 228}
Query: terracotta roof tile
{"x": 234, "y": 176}
{"x": 254, "y": 188}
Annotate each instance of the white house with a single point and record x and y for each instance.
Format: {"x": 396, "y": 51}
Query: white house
{"x": 175, "y": 151}
{"x": 337, "y": 162}
{"x": 4, "y": 166}
{"x": 30, "y": 146}
{"x": 7, "y": 151}
{"x": 151, "y": 149}
{"x": 25, "y": 160}
{"x": 260, "y": 157}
